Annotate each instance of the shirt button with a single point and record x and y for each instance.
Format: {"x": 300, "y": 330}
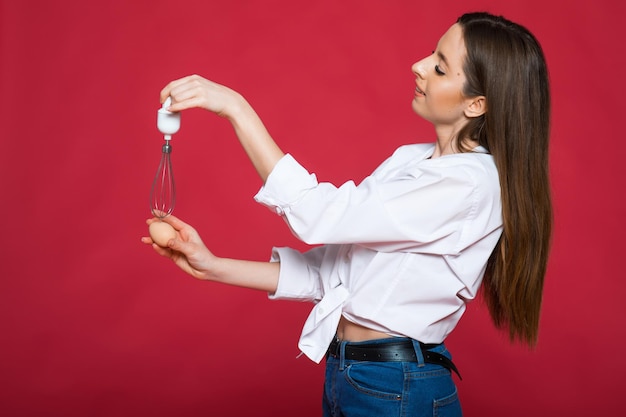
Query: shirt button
{"x": 321, "y": 310}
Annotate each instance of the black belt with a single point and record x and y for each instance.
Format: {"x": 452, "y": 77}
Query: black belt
{"x": 394, "y": 351}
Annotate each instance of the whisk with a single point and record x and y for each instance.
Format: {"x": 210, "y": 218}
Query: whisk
{"x": 163, "y": 191}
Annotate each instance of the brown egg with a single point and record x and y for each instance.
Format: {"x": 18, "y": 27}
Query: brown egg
{"x": 161, "y": 233}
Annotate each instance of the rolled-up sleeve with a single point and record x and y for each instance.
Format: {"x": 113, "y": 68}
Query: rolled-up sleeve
{"x": 299, "y": 277}
{"x": 286, "y": 185}
{"x": 408, "y": 206}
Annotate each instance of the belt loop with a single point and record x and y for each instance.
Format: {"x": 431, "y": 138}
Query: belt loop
{"x": 342, "y": 354}
{"x": 418, "y": 352}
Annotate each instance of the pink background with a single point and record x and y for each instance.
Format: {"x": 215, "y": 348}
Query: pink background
{"x": 93, "y": 323}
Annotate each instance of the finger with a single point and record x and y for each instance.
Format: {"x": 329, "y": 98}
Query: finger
{"x": 175, "y": 222}
{"x": 182, "y": 246}
{"x": 167, "y": 90}
{"x": 187, "y": 96}
{"x": 167, "y": 219}
{"x": 165, "y": 93}
{"x": 193, "y": 102}
{"x": 165, "y": 252}
{"x": 160, "y": 250}
{"x": 154, "y": 220}
{"x": 177, "y": 245}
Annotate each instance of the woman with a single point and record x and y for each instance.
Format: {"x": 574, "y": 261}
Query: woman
{"x": 405, "y": 250}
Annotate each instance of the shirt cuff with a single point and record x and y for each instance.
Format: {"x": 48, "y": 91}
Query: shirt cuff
{"x": 294, "y": 283}
{"x": 285, "y": 185}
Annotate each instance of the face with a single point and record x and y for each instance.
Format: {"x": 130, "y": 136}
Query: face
{"x": 440, "y": 80}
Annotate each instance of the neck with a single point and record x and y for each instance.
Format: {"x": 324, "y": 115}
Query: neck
{"x": 448, "y": 144}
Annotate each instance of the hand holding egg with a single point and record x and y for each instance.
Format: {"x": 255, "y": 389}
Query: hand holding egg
{"x": 161, "y": 233}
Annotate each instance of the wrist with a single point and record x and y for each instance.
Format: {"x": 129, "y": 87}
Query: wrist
{"x": 213, "y": 270}
{"x": 237, "y": 108}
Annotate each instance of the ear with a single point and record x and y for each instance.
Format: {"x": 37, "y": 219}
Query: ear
{"x": 477, "y": 106}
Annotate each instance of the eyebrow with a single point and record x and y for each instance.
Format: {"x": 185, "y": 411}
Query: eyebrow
{"x": 443, "y": 58}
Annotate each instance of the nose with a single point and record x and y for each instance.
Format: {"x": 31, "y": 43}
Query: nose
{"x": 418, "y": 68}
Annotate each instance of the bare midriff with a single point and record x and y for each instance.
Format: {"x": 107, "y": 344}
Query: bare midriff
{"x": 352, "y": 332}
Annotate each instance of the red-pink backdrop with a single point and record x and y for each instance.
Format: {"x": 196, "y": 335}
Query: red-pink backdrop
{"x": 93, "y": 323}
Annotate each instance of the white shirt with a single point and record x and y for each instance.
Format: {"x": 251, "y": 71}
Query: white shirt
{"x": 402, "y": 252}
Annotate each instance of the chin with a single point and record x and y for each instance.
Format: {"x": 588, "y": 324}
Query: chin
{"x": 416, "y": 109}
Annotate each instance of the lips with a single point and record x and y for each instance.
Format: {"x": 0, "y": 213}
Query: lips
{"x": 419, "y": 92}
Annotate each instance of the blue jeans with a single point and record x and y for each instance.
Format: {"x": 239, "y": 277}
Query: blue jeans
{"x": 389, "y": 389}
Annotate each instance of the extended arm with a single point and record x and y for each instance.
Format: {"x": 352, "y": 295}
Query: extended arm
{"x": 191, "y": 255}
{"x": 195, "y": 91}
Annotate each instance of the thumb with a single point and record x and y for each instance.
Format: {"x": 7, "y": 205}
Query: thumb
{"x": 187, "y": 248}
{"x": 178, "y": 245}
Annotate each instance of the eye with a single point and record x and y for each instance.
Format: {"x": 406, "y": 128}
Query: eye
{"x": 439, "y": 71}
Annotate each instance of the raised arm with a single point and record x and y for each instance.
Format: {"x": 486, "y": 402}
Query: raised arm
{"x": 197, "y": 92}
{"x": 191, "y": 255}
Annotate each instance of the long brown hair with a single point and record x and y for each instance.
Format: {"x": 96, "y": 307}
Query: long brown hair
{"x": 505, "y": 64}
